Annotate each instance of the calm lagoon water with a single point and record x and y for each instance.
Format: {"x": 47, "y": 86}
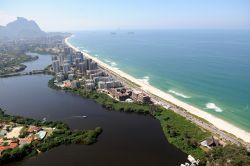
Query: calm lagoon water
{"x": 127, "y": 139}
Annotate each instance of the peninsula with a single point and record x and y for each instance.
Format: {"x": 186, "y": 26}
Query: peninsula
{"x": 21, "y": 138}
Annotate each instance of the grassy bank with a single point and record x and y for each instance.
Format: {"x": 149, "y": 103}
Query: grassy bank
{"x": 180, "y": 132}
{"x": 13, "y": 64}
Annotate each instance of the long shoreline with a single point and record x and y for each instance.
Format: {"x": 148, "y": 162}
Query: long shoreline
{"x": 217, "y": 122}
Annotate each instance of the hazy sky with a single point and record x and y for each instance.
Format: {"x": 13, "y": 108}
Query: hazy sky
{"x": 62, "y": 15}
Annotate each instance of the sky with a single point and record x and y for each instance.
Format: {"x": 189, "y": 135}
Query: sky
{"x": 70, "y": 15}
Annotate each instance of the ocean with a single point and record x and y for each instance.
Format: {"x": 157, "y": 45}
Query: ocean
{"x": 209, "y": 69}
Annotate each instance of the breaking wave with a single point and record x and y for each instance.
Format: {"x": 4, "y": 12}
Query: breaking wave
{"x": 84, "y": 50}
{"x": 145, "y": 79}
{"x": 111, "y": 63}
{"x": 214, "y": 107}
{"x": 179, "y": 94}
{"x": 106, "y": 60}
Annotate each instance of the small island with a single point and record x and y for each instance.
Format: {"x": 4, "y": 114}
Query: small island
{"x": 22, "y": 138}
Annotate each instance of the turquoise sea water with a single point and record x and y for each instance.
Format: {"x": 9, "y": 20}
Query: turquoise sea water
{"x": 209, "y": 69}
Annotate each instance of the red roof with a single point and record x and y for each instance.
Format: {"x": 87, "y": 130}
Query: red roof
{"x": 34, "y": 129}
{"x": 10, "y": 146}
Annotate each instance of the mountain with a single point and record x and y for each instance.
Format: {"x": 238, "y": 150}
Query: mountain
{"x": 21, "y": 29}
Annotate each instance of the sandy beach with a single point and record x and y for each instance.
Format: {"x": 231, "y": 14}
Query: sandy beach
{"x": 217, "y": 122}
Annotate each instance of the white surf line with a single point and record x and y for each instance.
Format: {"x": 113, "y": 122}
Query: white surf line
{"x": 217, "y": 122}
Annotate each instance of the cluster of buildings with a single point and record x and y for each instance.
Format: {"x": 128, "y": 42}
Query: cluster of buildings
{"x": 13, "y": 135}
{"x": 129, "y": 95}
{"x": 74, "y": 70}
{"x": 10, "y": 50}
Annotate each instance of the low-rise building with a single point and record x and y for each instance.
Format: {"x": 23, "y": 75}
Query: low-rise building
{"x": 90, "y": 86}
{"x": 102, "y": 85}
{"x": 143, "y": 98}
{"x": 140, "y": 97}
{"x": 10, "y": 146}
{"x": 34, "y": 129}
{"x": 41, "y": 135}
{"x": 109, "y": 84}
{"x": 24, "y": 141}
{"x": 71, "y": 77}
{"x": 88, "y": 72}
{"x": 210, "y": 142}
{"x": 3, "y": 133}
{"x": 102, "y": 78}
{"x": 67, "y": 84}
{"x": 75, "y": 84}
{"x": 120, "y": 94}
{"x": 98, "y": 74}
{"x": 60, "y": 77}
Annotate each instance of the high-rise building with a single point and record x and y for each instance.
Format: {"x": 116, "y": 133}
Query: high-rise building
{"x": 56, "y": 66}
{"x": 66, "y": 68}
{"x": 80, "y": 55}
{"x": 82, "y": 67}
{"x": 88, "y": 61}
{"x": 67, "y": 50}
{"x": 69, "y": 57}
{"x": 77, "y": 62}
{"x": 54, "y": 57}
{"x": 61, "y": 59}
{"x": 92, "y": 65}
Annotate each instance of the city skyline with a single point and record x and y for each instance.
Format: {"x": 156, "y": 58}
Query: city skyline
{"x": 98, "y": 15}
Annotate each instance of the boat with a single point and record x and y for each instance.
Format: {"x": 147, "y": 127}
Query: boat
{"x": 44, "y": 120}
{"x": 81, "y": 116}
{"x": 192, "y": 160}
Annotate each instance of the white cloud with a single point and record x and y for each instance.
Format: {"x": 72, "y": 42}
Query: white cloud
{"x": 5, "y": 18}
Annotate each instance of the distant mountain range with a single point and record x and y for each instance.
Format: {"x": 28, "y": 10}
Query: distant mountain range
{"x": 23, "y": 29}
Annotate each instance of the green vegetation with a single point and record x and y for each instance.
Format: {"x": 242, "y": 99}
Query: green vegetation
{"x": 61, "y": 135}
{"x": 17, "y": 154}
{"x": 179, "y": 131}
{"x": 43, "y": 51}
{"x": 24, "y": 133}
{"x": 111, "y": 104}
{"x": 230, "y": 155}
{"x": 65, "y": 136}
{"x": 20, "y": 59}
{"x": 10, "y": 63}
{"x": 52, "y": 85}
{"x": 182, "y": 133}
{"x": 28, "y": 121}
